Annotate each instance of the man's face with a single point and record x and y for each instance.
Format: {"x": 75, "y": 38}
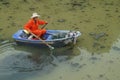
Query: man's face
{"x": 35, "y": 18}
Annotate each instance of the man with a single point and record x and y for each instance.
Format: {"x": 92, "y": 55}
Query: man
{"x": 32, "y": 25}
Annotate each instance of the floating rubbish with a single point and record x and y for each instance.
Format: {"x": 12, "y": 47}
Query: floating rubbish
{"x": 61, "y": 20}
{"x": 97, "y": 36}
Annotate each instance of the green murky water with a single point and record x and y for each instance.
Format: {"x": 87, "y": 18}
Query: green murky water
{"x": 94, "y": 57}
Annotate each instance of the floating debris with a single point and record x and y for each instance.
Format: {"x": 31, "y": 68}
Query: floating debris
{"x": 61, "y": 20}
{"x": 97, "y": 36}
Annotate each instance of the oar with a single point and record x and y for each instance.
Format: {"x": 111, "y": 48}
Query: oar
{"x": 43, "y": 41}
{"x": 43, "y": 26}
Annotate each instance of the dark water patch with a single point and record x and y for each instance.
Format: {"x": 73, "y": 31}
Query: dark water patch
{"x": 116, "y": 10}
{"x": 88, "y": 75}
{"x": 62, "y": 58}
{"x": 107, "y": 10}
{"x": 10, "y": 17}
{"x": 101, "y": 75}
{"x": 98, "y": 45}
{"x": 16, "y": 8}
{"x": 94, "y": 7}
{"x": 116, "y": 48}
{"x": 20, "y": 61}
{"x": 61, "y": 77}
{"x": 111, "y": 61}
{"x": 95, "y": 44}
{"x": 87, "y": 21}
{"x": 1, "y": 29}
{"x": 97, "y": 36}
{"x": 57, "y": 55}
{"x": 75, "y": 4}
{"x": 93, "y": 58}
{"x": 5, "y": 3}
{"x": 32, "y": 9}
{"x": 32, "y": 61}
{"x": 8, "y": 26}
{"x": 75, "y": 27}
{"x": 109, "y": 15}
{"x": 79, "y": 3}
{"x": 13, "y": 63}
{"x": 119, "y": 16}
{"x": 25, "y": 0}
{"x": 109, "y": 3}
{"x": 74, "y": 64}
{"x": 1, "y": 39}
{"x": 102, "y": 26}
{"x": 13, "y": 24}
{"x": 77, "y": 65}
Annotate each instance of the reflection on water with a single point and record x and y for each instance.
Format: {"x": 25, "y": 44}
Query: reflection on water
{"x": 16, "y": 60}
{"x": 28, "y": 63}
{"x": 99, "y": 22}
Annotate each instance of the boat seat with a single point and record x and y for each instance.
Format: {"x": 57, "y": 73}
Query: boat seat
{"x": 24, "y": 35}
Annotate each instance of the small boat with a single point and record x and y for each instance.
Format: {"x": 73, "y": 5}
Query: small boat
{"x": 56, "y": 38}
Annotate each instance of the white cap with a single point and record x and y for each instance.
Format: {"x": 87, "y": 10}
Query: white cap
{"x": 35, "y": 15}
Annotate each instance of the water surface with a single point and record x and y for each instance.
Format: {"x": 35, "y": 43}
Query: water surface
{"x": 19, "y": 64}
{"x": 94, "y": 57}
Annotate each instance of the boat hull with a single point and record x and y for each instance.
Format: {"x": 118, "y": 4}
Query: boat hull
{"x": 58, "y": 42}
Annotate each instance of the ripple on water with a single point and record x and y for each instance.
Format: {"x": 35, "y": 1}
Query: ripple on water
{"x": 97, "y": 66}
{"x": 6, "y": 47}
{"x": 15, "y": 61}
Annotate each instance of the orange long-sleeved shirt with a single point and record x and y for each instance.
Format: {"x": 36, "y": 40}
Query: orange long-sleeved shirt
{"x": 32, "y": 26}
